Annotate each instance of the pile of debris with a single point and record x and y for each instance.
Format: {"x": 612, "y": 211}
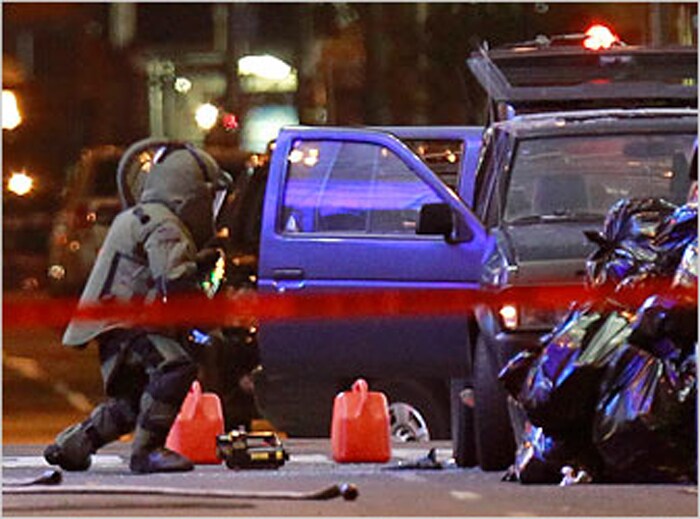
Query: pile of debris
{"x": 611, "y": 394}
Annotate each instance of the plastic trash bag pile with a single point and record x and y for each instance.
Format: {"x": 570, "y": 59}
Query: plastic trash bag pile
{"x": 611, "y": 394}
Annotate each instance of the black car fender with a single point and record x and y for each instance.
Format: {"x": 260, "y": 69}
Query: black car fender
{"x": 487, "y": 322}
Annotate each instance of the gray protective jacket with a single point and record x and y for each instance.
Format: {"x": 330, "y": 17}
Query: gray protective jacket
{"x": 151, "y": 248}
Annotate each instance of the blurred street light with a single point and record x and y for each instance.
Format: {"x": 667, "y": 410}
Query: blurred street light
{"x": 20, "y": 183}
{"x": 11, "y": 118}
{"x": 206, "y": 116}
{"x": 266, "y": 74}
{"x": 265, "y": 66}
{"x": 182, "y": 85}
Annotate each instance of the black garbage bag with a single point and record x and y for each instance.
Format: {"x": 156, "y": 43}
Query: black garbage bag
{"x": 625, "y": 243}
{"x": 540, "y": 458}
{"x": 686, "y": 275}
{"x": 645, "y": 422}
{"x": 676, "y": 233}
{"x": 666, "y": 326}
{"x": 515, "y": 372}
{"x": 562, "y": 384}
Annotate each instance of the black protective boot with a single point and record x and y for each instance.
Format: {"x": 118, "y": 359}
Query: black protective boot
{"x": 74, "y": 446}
{"x": 159, "y": 460}
{"x": 72, "y": 450}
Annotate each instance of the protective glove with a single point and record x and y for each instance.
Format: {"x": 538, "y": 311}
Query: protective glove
{"x": 206, "y": 259}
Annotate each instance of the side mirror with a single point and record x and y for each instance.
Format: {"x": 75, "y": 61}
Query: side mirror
{"x": 435, "y": 219}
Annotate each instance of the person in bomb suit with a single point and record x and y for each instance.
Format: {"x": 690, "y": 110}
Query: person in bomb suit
{"x": 151, "y": 251}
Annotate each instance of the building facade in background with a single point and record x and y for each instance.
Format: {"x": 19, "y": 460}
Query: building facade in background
{"x": 100, "y": 73}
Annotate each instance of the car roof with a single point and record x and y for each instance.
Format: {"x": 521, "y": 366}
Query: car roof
{"x": 432, "y": 132}
{"x": 601, "y": 121}
{"x": 436, "y": 132}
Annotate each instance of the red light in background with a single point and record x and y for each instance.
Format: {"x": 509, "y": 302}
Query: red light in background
{"x": 229, "y": 121}
{"x": 599, "y": 37}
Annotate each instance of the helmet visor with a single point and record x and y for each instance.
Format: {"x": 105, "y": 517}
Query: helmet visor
{"x": 218, "y": 202}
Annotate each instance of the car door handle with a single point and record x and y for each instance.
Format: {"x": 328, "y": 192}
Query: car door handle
{"x": 287, "y": 279}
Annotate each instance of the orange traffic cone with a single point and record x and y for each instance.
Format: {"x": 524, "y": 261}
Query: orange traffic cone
{"x": 196, "y": 427}
{"x": 360, "y": 428}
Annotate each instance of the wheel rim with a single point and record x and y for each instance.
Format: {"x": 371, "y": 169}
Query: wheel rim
{"x": 407, "y": 423}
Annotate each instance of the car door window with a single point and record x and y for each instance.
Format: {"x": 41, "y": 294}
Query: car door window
{"x": 443, "y": 156}
{"x": 351, "y": 188}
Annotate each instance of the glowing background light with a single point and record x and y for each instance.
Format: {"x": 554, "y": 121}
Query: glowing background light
{"x": 20, "y": 183}
{"x": 183, "y": 85}
{"x": 599, "y": 37}
{"x": 11, "y": 117}
{"x": 296, "y": 156}
{"x": 206, "y": 116}
{"x": 229, "y": 121}
{"x": 265, "y": 66}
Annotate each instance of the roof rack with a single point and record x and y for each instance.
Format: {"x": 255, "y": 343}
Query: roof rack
{"x": 541, "y": 73}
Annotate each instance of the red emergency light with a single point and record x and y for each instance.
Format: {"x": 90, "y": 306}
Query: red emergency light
{"x": 229, "y": 121}
{"x": 599, "y": 37}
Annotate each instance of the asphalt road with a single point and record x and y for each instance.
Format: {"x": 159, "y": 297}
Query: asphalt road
{"x": 382, "y": 491}
{"x": 46, "y": 387}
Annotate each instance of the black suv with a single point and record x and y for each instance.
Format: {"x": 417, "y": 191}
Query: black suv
{"x": 572, "y": 132}
{"x": 542, "y": 181}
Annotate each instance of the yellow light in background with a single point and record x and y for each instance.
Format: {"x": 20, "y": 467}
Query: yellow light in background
{"x": 20, "y": 183}
{"x": 224, "y": 232}
{"x": 310, "y": 161}
{"x": 11, "y": 118}
{"x": 206, "y": 116}
{"x": 57, "y": 272}
{"x": 312, "y": 158}
{"x": 183, "y": 85}
{"x": 146, "y": 161}
{"x": 296, "y": 156}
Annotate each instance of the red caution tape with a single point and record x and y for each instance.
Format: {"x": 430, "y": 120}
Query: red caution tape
{"x": 245, "y": 307}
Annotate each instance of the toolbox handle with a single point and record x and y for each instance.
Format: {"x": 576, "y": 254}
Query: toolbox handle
{"x": 360, "y": 386}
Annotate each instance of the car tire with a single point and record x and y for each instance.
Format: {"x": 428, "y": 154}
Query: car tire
{"x": 495, "y": 445}
{"x": 419, "y": 402}
{"x": 463, "y": 446}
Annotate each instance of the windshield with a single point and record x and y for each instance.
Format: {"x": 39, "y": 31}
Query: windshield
{"x": 583, "y": 176}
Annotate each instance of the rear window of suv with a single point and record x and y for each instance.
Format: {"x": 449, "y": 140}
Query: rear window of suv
{"x": 586, "y": 175}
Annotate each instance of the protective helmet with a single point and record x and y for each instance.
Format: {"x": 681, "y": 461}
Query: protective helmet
{"x": 185, "y": 178}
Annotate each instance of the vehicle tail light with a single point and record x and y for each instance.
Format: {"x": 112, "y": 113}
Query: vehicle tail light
{"x": 509, "y": 316}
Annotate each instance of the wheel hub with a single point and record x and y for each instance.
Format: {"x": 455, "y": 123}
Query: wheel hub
{"x": 407, "y": 423}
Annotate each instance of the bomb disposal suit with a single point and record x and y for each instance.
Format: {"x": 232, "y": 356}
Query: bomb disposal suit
{"x": 150, "y": 253}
